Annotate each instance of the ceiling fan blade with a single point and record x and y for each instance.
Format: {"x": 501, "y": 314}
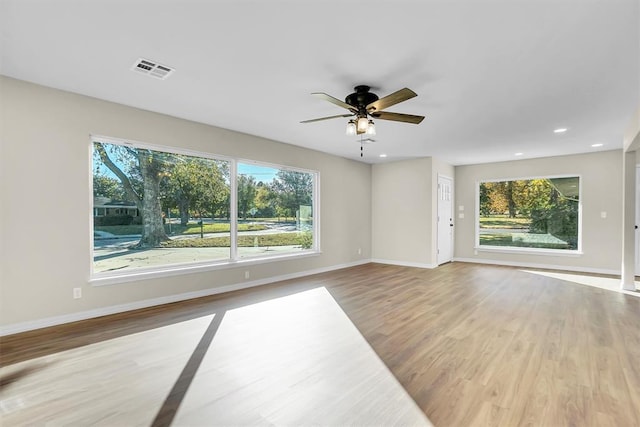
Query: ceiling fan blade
{"x": 335, "y": 101}
{"x": 326, "y": 118}
{"x": 393, "y": 99}
{"x": 398, "y": 117}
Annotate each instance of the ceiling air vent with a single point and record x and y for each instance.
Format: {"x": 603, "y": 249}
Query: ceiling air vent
{"x": 152, "y": 69}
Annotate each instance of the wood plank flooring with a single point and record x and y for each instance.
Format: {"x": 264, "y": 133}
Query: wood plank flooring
{"x": 472, "y": 345}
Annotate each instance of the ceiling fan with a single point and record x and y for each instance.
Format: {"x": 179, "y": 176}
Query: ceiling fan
{"x": 363, "y": 104}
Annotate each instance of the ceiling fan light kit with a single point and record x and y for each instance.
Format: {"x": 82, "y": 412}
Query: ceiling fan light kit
{"x": 351, "y": 127}
{"x": 362, "y": 125}
{"x": 371, "y": 128}
{"x": 363, "y": 104}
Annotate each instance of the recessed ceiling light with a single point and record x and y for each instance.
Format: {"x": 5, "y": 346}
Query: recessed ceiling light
{"x": 597, "y": 145}
{"x": 560, "y": 130}
{"x": 383, "y": 155}
{"x": 518, "y": 154}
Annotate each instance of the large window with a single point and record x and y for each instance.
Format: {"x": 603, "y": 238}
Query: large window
{"x": 538, "y": 214}
{"x": 153, "y": 208}
{"x": 276, "y": 205}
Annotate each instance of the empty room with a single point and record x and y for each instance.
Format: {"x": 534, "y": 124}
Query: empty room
{"x": 233, "y": 213}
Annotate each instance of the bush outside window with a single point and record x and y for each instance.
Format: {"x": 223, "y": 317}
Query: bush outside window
{"x": 540, "y": 213}
{"x": 153, "y": 208}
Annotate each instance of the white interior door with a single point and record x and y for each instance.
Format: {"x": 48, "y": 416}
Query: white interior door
{"x": 445, "y": 219}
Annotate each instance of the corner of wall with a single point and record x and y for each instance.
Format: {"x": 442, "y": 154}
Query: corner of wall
{"x": 631, "y": 139}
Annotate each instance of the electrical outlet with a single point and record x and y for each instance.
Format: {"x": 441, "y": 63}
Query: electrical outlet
{"x": 246, "y": 274}
{"x": 77, "y": 293}
{"x": 359, "y": 251}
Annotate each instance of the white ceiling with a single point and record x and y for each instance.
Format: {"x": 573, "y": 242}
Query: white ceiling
{"x": 493, "y": 77}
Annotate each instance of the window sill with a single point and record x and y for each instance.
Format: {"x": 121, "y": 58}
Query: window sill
{"x": 529, "y": 251}
{"x": 103, "y": 279}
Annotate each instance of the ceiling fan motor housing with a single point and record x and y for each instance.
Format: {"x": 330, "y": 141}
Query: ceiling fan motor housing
{"x": 361, "y": 98}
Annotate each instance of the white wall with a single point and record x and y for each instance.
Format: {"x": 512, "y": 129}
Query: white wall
{"x": 404, "y": 206}
{"x": 45, "y": 222}
{"x": 401, "y": 208}
{"x": 601, "y": 182}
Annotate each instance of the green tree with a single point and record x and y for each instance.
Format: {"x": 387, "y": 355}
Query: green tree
{"x": 503, "y": 197}
{"x": 265, "y": 200}
{"x": 149, "y": 167}
{"x": 196, "y": 184}
{"x": 218, "y": 189}
{"x": 104, "y": 186}
{"x": 180, "y": 186}
{"x": 496, "y": 202}
{"x": 485, "y": 199}
{"x": 293, "y": 189}
{"x": 511, "y": 204}
{"x": 246, "y": 194}
{"x": 212, "y": 189}
{"x": 556, "y": 214}
{"x": 532, "y": 194}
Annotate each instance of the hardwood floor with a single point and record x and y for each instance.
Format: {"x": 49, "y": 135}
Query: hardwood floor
{"x": 472, "y": 345}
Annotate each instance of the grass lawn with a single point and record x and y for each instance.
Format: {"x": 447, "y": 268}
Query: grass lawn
{"x": 280, "y": 239}
{"x": 218, "y": 228}
{"x": 506, "y": 239}
{"x": 504, "y": 222}
{"x": 496, "y": 240}
{"x": 266, "y": 219}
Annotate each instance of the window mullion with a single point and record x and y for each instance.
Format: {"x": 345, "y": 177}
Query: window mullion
{"x": 233, "y": 210}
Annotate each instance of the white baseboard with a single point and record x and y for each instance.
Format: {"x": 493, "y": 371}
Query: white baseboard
{"x": 403, "y": 263}
{"x": 541, "y": 266}
{"x": 104, "y": 311}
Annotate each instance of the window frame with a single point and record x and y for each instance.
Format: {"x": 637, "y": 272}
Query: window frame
{"x": 524, "y": 250}
{"x": 315, "y": 196}
{"x": 234, "y": 261}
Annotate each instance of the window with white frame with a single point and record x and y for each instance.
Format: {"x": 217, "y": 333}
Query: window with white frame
{"x": 530, "y": 214}
{"x": 155, "y": 208}
{"x": 276, "y": 207}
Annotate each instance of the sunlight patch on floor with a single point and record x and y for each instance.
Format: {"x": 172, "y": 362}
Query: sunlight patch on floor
{"x": 292, "y": 361}
{"x": 121, "y": 381}
{"x": 608, "y": 283}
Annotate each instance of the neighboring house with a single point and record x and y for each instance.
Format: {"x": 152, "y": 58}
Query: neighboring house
{"x": 104, "y": 206}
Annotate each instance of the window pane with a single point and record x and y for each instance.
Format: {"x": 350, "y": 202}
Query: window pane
{"x": 152, "y": 208}
{"x": 531, "y": 213}
{"x": 275, "y": 210}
